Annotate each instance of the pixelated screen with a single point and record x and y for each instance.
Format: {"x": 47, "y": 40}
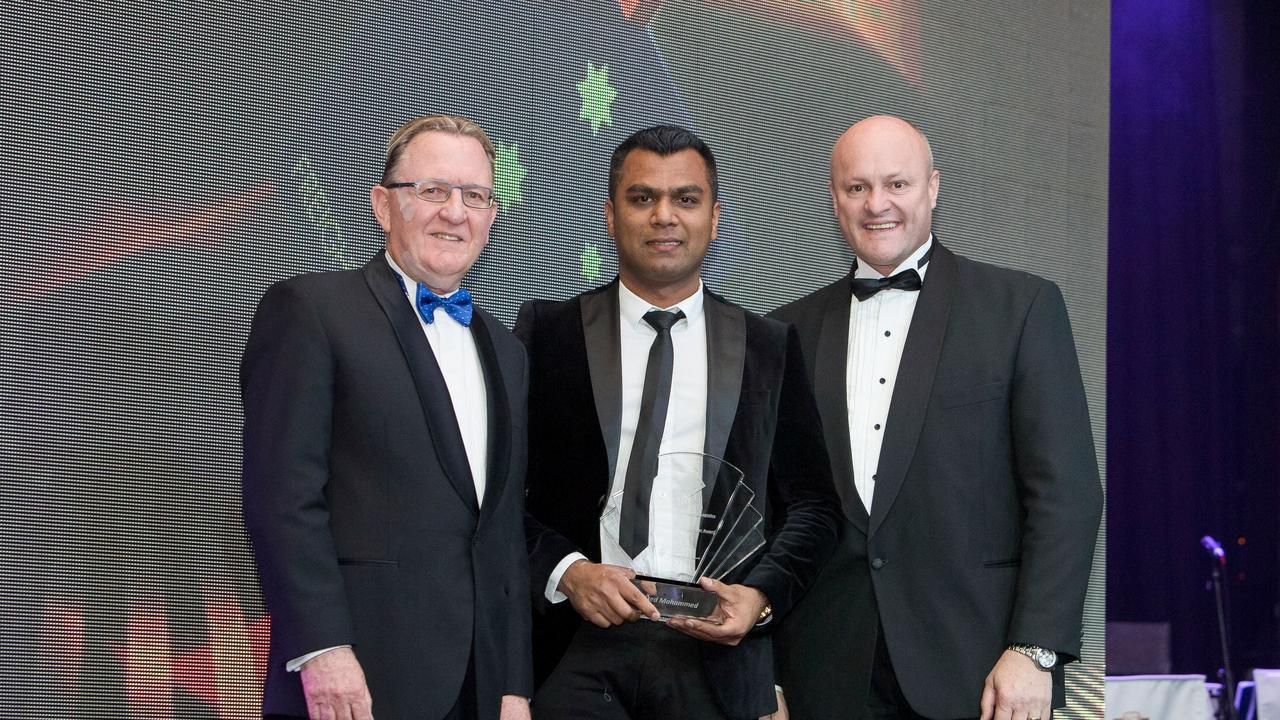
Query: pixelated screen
{"x": 163, "y": 163}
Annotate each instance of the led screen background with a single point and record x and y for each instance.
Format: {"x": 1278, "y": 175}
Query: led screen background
{"x": 163, "y": 164}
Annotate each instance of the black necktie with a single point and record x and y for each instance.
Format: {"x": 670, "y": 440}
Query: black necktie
{"x": 633, "y": 531}
{"x": 908, "y": 279}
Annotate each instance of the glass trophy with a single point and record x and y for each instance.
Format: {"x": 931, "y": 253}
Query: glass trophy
{"x": 703, "y": 522}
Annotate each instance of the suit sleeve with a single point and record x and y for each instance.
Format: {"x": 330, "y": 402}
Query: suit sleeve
{"x": 545, "y": 547}
{"x": 801, "y": 491}
{"x": 286, "y": 380}
{"x": 1057, "y": 473}
{"x": 520, "y": 625}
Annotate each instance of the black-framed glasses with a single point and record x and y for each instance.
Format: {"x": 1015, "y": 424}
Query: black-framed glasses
{"x": 438, "y": 191}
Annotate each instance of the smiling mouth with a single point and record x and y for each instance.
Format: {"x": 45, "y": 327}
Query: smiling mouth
{"x": 446, "y": 236}
{"x": 664, "y": 243}
{"x": 881, "y": 226}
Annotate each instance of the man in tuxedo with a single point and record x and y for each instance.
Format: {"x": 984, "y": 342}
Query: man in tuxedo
{"x": 384, "y": 461}
{"x": 654, "y": 363}
{"x": 954, "y": 412}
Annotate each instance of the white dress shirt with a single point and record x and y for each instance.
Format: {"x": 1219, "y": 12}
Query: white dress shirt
{"x": 459, "y": 361}
{"x": 674, "y": 527}
{"x": 877, "y": 332}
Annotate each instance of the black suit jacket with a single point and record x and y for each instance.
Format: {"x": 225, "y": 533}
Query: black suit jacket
{"x": 760, "y": 417}
{"x": 360, "y": 503}
{"x": 987, "y": 498}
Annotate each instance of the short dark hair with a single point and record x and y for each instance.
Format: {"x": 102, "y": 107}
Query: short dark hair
{"x": 664, "y": 140}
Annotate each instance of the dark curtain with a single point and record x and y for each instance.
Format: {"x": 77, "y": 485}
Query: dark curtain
{"x": 1194, "y": 323}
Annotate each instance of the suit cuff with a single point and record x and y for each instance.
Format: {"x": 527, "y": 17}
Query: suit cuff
{"x": 296, "y": 664}
{"x": 552, "y": 593}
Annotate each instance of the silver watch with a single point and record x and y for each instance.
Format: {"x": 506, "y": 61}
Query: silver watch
{"x": 1044, "y": 659}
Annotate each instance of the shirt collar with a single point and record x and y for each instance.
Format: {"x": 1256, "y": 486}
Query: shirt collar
{"x": 409, "y": 284}
{"x": 866, "y": 271}
{"x": 632, "y": 307}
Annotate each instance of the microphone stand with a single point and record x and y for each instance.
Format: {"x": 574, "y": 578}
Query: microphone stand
{"x": 1229, "y": 689}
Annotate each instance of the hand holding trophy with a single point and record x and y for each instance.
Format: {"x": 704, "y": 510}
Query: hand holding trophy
{"x": 698, "y": 520}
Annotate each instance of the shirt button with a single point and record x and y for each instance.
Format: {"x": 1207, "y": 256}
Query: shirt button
{"x": 886, "y": 333}
{"x": 878, "y": 563}
{"x": 877, "y": 426}
{"x": 881, "y": 381}
{"x": 874, "y": 478}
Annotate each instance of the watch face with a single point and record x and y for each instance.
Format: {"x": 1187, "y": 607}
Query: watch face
{"x": 1047, "y": 659}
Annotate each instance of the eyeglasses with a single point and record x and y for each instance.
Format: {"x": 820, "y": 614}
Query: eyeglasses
{"x": 439, "y": 191}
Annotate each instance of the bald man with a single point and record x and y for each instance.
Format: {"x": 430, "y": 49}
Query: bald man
{"x": 959, "y": 437}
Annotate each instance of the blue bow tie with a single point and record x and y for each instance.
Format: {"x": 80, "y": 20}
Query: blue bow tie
{"x": 457, "y": 305}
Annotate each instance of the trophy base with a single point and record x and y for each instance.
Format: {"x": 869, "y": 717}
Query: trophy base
{"x": 678, "y": 599}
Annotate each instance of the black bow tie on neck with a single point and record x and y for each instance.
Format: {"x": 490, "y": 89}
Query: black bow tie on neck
{"x": 908, "y": 279}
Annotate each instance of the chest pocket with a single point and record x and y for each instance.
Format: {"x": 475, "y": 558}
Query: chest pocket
{"x": 973, "y": 395}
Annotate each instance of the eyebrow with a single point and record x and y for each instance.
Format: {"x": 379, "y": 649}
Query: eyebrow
{"x": 892, "y": 177}
{"x": 681, "y": 190}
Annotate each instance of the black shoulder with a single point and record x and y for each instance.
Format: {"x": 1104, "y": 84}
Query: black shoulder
{"x": 315, "y": 287}
{"x": 768, "y": 326}
{"x": 756, "y": 325}
{"x": 811, "y": 305}
{"x": 540, "y": 318}
{"x": 996, "y": 281}
{"x": 502, "y": 337}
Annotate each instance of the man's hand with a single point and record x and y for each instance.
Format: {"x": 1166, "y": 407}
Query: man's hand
{"x": 515, "y": 707}
{"x": 781, "y": 712}
{"x": 333, "y": 684}
{"x": 604, "y": 595}
{"x": 1017, "y": 690}
{"x": 737, "y": 613}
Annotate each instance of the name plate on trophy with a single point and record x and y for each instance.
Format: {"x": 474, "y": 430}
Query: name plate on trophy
{"x": 703, "y": 522}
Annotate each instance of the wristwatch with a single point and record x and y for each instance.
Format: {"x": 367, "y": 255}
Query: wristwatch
{"x": 1044, "y": 659}
{"x": 765, "y": 613}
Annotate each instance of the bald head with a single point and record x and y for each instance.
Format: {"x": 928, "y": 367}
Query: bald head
{"x": 883, "y": 190}
{"x": 884, "y": 128}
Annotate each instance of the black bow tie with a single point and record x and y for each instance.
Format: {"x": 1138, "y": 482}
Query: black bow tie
{"x": 908, "y": 279}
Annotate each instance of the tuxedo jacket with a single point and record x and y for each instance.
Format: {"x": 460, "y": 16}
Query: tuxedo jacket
{"x": 986, "y": 505}
{"x": 360, "y": 503}
{"x": 761, "y": 418}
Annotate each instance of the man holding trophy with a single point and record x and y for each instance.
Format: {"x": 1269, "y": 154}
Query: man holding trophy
{"x": 677, "y": 470}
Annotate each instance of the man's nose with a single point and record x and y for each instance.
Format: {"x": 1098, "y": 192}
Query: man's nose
{"x": 877, "y": 201}
{"x": 454, "y": 211}
{"x": 664, "y": 212}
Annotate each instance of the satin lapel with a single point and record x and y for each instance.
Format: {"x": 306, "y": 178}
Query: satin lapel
{"x": 446, "y": 438}
{"x": 830, "y": 385}
{"x": 726, "y": 356}
{"x": 914, "y": 384}
{"x": 499, "y": 421}
{"x": 600, "y": 328}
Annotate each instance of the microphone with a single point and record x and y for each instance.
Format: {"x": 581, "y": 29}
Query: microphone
{"x": 1208, "y": 543}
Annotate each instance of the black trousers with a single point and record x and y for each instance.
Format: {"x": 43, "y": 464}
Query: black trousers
{"x": 886, "y": 701}
{"x": 635, "y": 671}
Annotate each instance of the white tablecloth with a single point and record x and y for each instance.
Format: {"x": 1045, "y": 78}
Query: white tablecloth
{"x": 1158, "y": 697}
{"x": 1266, "y": 689}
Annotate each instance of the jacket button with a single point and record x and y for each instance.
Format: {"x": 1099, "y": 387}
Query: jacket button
{"x": 878, "y": 563}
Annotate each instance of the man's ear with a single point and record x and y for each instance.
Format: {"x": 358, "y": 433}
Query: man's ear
{"x": 380, "y": 201}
